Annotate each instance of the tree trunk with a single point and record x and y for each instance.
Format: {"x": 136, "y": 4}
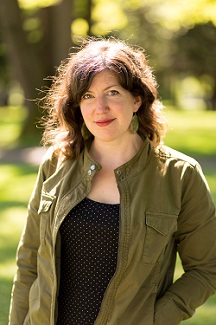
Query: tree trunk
{"x": 29, "y": 68}
{"x": 56, "y": 22}
{"x": 89, "y": 16}
{"x": 213, "y": 98}
{"x": 26, "y": 68}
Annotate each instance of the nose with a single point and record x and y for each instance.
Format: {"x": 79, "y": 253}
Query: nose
{"x": 101, "y": 104}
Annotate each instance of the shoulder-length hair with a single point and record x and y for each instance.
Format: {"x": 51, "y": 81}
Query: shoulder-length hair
{"x": 74, "y": 76}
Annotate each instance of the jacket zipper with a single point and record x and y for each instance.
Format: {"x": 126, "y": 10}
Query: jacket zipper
{"x": 121, "y": 263}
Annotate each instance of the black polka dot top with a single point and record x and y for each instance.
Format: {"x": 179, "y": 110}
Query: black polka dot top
{"x": 89, "y": 247}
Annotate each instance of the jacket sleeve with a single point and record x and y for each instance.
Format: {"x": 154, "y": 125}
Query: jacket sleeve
{"x": 196, "y": 244}
{"x": 27, "y": 253}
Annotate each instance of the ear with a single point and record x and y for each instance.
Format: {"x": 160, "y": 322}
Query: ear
{"x": 137, "y": 103}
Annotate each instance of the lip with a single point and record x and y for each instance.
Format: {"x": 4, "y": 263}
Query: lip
{"x": 104, "y": 122}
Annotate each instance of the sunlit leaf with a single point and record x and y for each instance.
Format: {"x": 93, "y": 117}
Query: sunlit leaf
{"x": 80, "y": 27}
{"x": 181, "y": 13}
{"x": 29, "y": 4}
{"x": 108, "y": 16}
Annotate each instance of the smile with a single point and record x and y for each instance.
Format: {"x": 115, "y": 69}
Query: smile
{"x": 103, "y": 123}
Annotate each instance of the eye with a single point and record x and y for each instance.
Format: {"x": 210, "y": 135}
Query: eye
{"x": 113, "y": 92}
{"x": 87, "y": 96}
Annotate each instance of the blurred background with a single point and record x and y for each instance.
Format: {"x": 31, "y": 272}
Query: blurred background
{"x": 179, "y": 37}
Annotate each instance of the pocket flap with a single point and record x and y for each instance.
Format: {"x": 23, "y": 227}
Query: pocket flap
{"x": 164, "y": 224}
{"x": 44, "y": 206}
{"x": 45, "y": 203}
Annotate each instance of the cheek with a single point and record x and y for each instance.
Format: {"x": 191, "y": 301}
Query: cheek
{"x": 86, "y": 116}
{"x": 83, "y": 112}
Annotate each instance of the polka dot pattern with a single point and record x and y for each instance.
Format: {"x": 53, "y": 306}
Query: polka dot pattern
{"x": 89, "y": 248}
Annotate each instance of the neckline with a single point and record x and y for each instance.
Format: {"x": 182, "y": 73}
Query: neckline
{"x": 104, "y": 203}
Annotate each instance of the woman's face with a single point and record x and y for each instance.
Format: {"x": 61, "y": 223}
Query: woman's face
{"x": 107, "y": 108}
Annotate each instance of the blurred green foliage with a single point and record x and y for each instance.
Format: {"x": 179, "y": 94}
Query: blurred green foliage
{"x": 178, "y": 36}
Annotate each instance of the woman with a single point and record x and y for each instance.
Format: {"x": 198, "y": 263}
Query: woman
{"x": 112, "y": 206}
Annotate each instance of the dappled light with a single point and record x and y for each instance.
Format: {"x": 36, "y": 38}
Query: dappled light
{"x": 31, "y": 4}
{"x": 192, "y": 93}
{"x": 113, "y": 19}
{"x": 79, "y": 27}
{"x": 182, "y": 13}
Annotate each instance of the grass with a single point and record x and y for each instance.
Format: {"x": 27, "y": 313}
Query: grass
{"x": 192, "y": 132}
{"x": 17, "y": 183}
{"x": 10, "y": 125}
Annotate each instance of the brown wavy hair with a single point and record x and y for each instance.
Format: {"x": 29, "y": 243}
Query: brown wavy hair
{"x": 63, "y": 121}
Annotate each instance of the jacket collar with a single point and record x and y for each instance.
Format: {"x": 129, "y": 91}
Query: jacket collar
{"x": 138, "y": 162}
{"x": 130, "y": 168}
{"x": 85, "y": 167}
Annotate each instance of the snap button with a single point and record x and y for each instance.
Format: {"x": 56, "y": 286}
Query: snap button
{"x": 93, "y": 167}
{"x": 118, "y": 172}
{"x": 89, "y": 172}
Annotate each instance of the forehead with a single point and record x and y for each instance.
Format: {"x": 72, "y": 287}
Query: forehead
{"x": 105, "y": 78}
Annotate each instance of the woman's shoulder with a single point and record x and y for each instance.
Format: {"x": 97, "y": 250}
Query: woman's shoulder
{"x": 49, "y": 156}
{"x": 178, "y": 163}
{"x": 52, "y": 160}
{"x": 169, "y": 154}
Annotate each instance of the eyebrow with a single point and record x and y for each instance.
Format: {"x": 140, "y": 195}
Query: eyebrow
{"x": 115, "y": 85}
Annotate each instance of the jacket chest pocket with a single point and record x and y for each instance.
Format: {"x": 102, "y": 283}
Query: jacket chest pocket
{"x": 160, "y": 229}
{"x": 44, "y": 212}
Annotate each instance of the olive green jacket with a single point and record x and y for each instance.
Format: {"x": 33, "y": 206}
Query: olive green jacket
{"x": 166, "y": 208}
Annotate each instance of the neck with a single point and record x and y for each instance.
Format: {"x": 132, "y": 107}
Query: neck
{"x": 111, "y": 155}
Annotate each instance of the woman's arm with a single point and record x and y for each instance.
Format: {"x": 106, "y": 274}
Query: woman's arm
{"x": 27, "y": 253}
{"x": 196, "y": 243}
